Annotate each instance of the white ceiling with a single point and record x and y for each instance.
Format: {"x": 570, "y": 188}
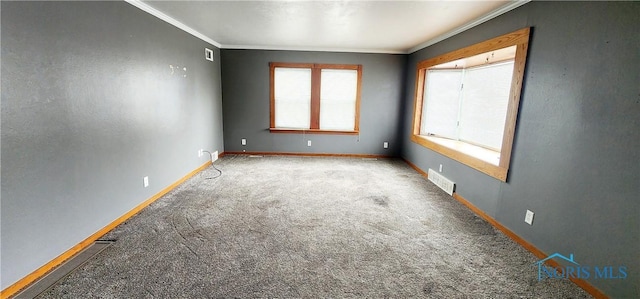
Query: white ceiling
{"x": 349, "y": 26}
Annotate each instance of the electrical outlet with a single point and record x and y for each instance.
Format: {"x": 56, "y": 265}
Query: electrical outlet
{"x": 243, "y": 141}
{"x": 440, "y": 169}
{"x": 385, "y": 144}
{"x": 145, "y": 181}
{"x": 214, "y": 157}
{"x": 528, "y": 218}
{"x": 200, "y": 153}
{"x": 308, "y": 142}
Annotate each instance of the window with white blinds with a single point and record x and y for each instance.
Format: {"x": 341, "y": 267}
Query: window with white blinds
{"x": 468, "y": 104}
{"x": 321, "y": 98}
{"x": 483, "y": 109}
{"x": 292, "y": 91}
{"x": 338, "y": 93}
{"x": 441, "y": 103}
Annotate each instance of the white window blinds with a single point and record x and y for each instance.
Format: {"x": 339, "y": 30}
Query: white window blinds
{"x": 468, "y": 104}
{"x": 441, "y": 103}
{"x": 484, "y": 104}
{"x": 338, "y": 91}
{"x": 292, "y": 93}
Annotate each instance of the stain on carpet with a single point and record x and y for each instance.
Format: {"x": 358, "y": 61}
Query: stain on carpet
{"x": 380, "y": 200}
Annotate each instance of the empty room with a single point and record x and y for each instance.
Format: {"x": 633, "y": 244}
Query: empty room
{"x": 314, "y": 149}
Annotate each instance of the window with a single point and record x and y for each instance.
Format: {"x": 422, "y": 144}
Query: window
{"x": 315, "y": 98}
{"x": 466, "y": 102}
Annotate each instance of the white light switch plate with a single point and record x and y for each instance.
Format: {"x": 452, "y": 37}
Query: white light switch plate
{"x": 145, "y": 181}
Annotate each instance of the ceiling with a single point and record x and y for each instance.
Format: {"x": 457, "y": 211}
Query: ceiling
{"x": 341, "y": 26}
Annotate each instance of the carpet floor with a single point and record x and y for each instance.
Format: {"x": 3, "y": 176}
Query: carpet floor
{"x": 307, "y": 227}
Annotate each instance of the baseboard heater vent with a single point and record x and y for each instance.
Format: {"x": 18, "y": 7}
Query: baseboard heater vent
{"x": 444, "y": 183}
{"x": 46, "y": 282}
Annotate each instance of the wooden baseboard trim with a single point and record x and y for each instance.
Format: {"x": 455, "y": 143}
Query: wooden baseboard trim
{"x": 528, "y": 246}
{"x": 416, "y": 168}
{"x": 308, "y": 154}
{"x": 33, "y": 276}
{"x": 585, "y": 285}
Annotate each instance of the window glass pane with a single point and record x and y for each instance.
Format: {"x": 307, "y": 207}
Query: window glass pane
{"x": 292, "y": 92}
{"x": 338, "y": 90}
{"x": 441, "y": 103}
{"x": 484, "y": 105}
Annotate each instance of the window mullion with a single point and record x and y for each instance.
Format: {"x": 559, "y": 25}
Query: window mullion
{"x": 460, "y": 103}
{"x": 315, "y": 98}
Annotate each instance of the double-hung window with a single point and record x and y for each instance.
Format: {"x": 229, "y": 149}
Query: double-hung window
{"x": 315, "y": 98}
{"x": 466, "y": 102}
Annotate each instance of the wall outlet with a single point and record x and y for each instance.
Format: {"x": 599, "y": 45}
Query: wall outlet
{"x": 528, "y": 218}
{"x": 243, "y": 141}
{"x": 145, "y": 181}
{"x": 308, "y": 142}
{"x": 214, "y": 156}
{"x": 440, "y": 169}
{"x": 385, "y": 144}
{"x": 200, "y": 153}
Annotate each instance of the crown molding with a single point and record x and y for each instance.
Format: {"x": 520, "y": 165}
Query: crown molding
{"x": 314, "y": 49}
{"x": 504, "y": 9}
{"x": 160, "y": 15}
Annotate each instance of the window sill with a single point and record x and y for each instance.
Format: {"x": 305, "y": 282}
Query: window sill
{"x": 479, "y": 152}
{"x": 479, "y": 158}
{"x": 312, "y": 131}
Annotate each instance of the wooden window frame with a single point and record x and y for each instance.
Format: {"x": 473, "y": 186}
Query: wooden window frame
{"x": 520, "y": 39}
{"x": 316, "y": 69}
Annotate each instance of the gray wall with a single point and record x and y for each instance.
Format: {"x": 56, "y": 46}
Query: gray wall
{"x": 245, "y": 88}
{"x": 89, "y": 107}
{"x": 576, "y": 156}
